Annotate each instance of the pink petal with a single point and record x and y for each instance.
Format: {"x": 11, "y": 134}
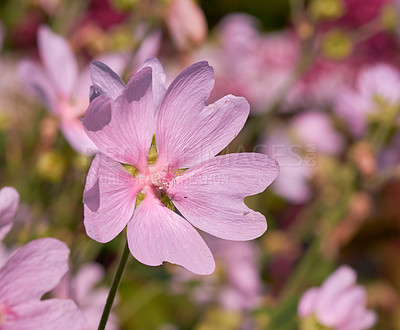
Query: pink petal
{"x": 190, "y": 131}
{"x": 210, "y": 195}
{"x": 36, "y": 82}
{"x": 156, "y": 234}
{"x": 109, "y": 198}
{"x": 77, "y": 138}
{"x": 33, "y": 270}
{"x": 362, "y": 319}
{"x": 86, "y": 279}
{"x": 341, "y": 307}
{"x": 307, "y": 302}
{"x": 46, "y": 315}
{"x": 9, "y": 199}
{"x": 381, "y": 79}
{"x": 353, "y": 108}
{"x": 334, "y": 286}
{"x": 59, "y": 60}
{"x": 123, "y": 129}
{"x": 159, "y": 80}
{"x": 148, "y": 48}
{"x": 105, "y": 80}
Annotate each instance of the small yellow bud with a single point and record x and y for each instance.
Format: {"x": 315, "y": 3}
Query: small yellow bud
{"x": 336, "y": 45}
{"x": 326, "y": 9}
{"x": 389, "y": 17}
{"x": 51, "y": 166}
{"x": 125, "y": 5}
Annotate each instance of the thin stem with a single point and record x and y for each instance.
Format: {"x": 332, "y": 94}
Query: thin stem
{"x": 114, "y": 287}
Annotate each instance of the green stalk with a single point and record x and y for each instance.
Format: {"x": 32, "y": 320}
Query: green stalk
{"x": 114, "y": 287}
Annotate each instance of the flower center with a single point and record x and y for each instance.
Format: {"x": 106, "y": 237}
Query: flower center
{"x": 154, "y": 178}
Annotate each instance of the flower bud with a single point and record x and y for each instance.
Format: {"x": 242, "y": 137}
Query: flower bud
{"x": 336, "y": 45}
{"x": 326, "y": 9}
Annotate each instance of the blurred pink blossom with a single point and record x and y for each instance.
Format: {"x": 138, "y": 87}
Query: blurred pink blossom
{"x": 9, "y": 199}
{"x": 376, "y": 87}
{"x": 28, "y": 274}
{"x": 296, "y": 149}
{"x": 249, "y": 63}
{"x": 315, "y": 128}
{"x": 61, "y": 88}
{"x": 91, "y": 300}
{"x": 122, "y": 121}
{"x": 339, "y": 303}
{"x": 243, "y": 286}
{"x": 319, "y": 85}
{"x": 186, "y": 22}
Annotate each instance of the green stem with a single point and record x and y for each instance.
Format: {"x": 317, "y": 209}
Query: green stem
{"x": 114, "y": 287}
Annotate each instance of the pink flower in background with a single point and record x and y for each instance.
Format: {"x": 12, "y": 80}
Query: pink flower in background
{"x": 376, "y": 90}
{"x": 339, "y": 303}
{"x": 314, "y": 128}
{"x": 9, "y": 199}
{"x": 293, "y": 181}
{"x": 244, "y": 285}
{"x": 59, "y": 86}
{"x": 90, "y": 299}
{"x": 181, "y": 168}
{"x": 65, "y": 91}
{"x": 296, "y": 148}
{"x": 28, "y": 274}
{"x": 187, "y": 23}
{"x": 320, "y": 84}
{"x": 257, "y": 66}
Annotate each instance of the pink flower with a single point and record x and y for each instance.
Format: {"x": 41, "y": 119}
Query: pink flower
{"x": 9, "y": 199}
{"x": 249, "y": 63}
{"x": 314, "y": 128}
{"x": 65, "y": 91}
{"x": 243, "y": 288}
{"x": 90, "y": 299}
{"x": 377, "y": 88}
{"x": 186, "y": 22}
{"x": 339, "y": 303}
{"x": 180, "y": 170}
{"x": 28, "y": 274}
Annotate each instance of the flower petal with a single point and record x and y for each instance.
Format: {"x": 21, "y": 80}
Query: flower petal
{"x": 105, "y": 80}
{"x": 307, "y": 302}
{"x": 77, "y": 138}
{"x": 36, "y": 82}
{"x": 333, "y": 288}
{"x": 341, "y": 308}
{"x": 156, "y": 234}
{"x": 123, "y": 129}
{"x": 33, "y": 270}
{"x": 9, "y": 199}
{"x": 109, "y": 198}
{"x": 210, "y": 195}
{"x": 159, "y": 80}
{"x": 59, "y": 60}
{"x": 190, "y": 131}
{"x": 46, "y": 315}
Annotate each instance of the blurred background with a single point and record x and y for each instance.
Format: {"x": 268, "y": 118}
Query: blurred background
{"x": 323, "y": 81}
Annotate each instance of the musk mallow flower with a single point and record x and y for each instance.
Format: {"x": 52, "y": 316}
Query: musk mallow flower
{"x": 63, "y": 89}
{"x": 83, "y": 287}
{"x": 339, "y": 303}
{"x": 375, "y": 94}
{"x": 157, "y": 152}
{"x": 28, "y": 274}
